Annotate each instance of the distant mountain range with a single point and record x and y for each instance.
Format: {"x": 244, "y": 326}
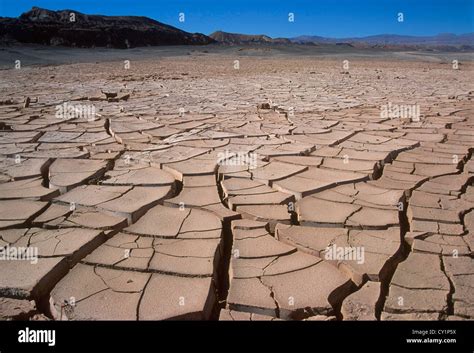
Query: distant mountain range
{"x": 72, "y": 28}
{"x": 465, "y": 41}
{"x": 47, "y": 27}
{"x": 394, "y": 39}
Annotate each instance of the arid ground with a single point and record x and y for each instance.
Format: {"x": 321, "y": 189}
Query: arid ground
{"x": 237, "y": 187}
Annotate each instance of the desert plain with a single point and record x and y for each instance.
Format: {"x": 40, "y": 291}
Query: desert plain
{"x": 236, "y": 185}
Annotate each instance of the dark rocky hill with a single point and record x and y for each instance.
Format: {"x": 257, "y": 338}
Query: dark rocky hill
{"x": 72, "y": 28}
{"x": 239, "y": 39}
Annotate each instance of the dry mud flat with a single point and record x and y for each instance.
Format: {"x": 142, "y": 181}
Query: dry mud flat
{"x": 192, "y": 188}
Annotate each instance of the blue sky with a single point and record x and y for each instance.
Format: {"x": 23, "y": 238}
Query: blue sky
{"x": 329, "y": 18}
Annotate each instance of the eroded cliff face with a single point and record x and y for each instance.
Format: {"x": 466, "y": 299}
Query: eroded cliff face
{"x": 71, "y": 28}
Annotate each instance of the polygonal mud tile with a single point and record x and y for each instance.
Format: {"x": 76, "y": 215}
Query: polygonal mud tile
{"x": 30, "y": 278}
{"x": 27, "y": 189}
{"x": 95, "y": 293}
{"x": 361, "y": 304}
{"x": 18, "y": 212}
{"x": 65, "y": 174}
{"x": 177, "y": 298}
